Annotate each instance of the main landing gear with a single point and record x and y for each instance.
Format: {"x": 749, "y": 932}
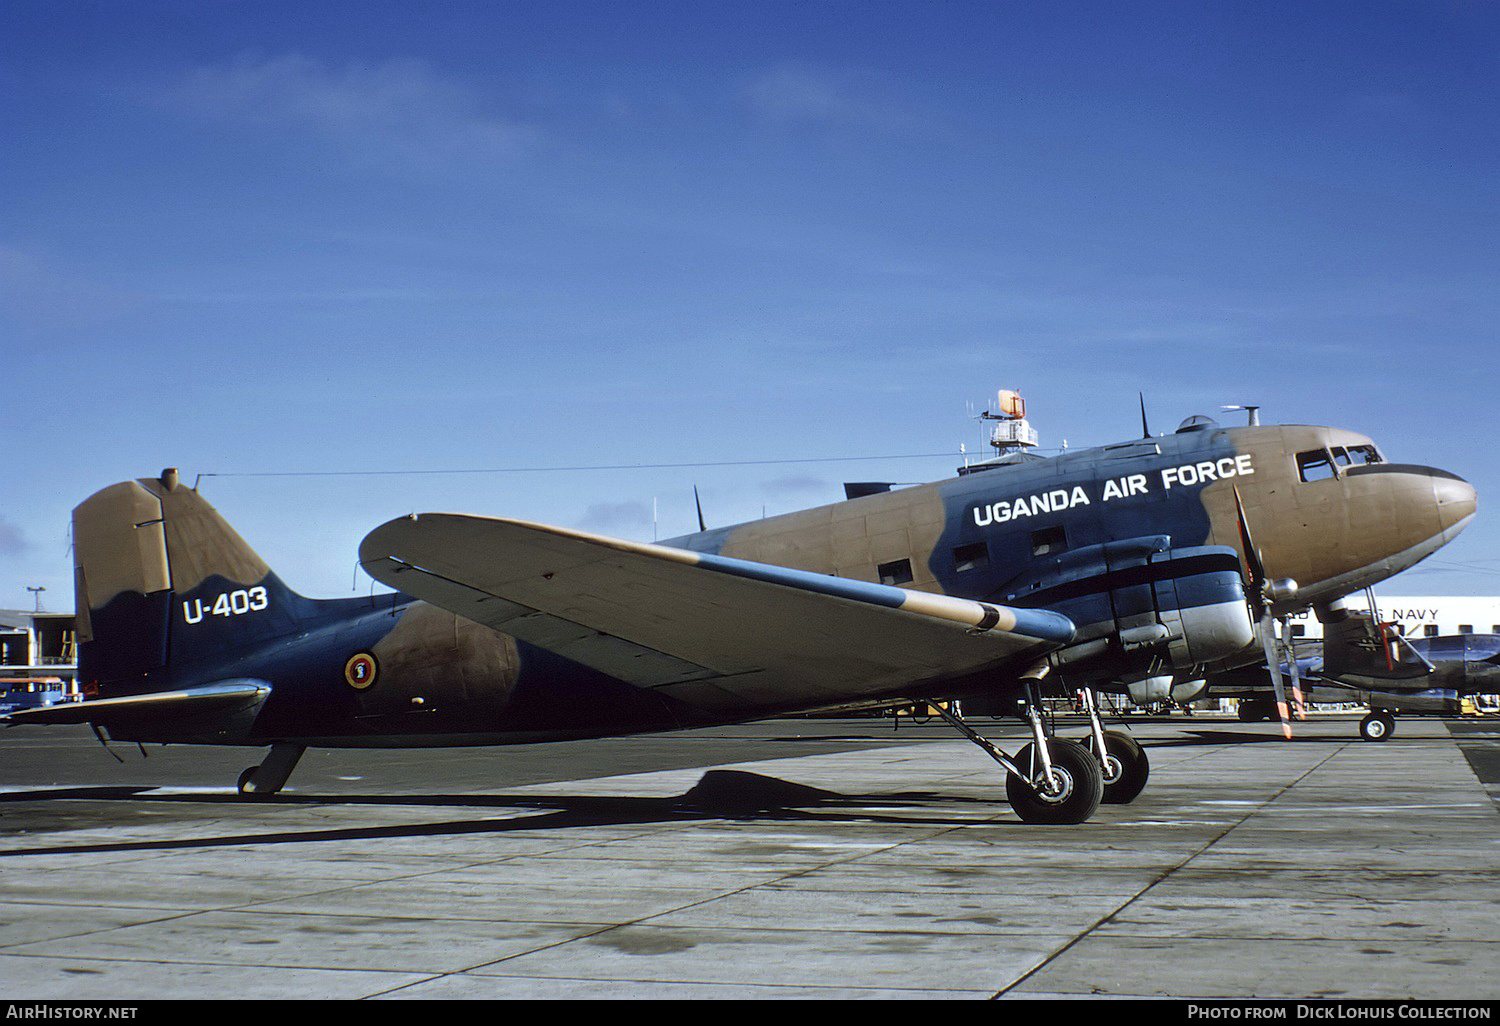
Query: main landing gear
{"x": 1123, "y": 764}
{"x": 271, "y": 775}
{"x": 1060, "y": 783}
{"x": 1052, "y": 780}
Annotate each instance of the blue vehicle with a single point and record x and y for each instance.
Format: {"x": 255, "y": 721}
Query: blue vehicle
{"x": 20, "y": 693}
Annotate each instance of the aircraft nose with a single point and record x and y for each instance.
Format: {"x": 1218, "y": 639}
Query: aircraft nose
{"x": 1406, "y": 512}
{"x": 1456, "y": 499}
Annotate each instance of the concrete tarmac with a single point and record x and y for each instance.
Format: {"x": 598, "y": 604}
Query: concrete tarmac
{"x": 796, "y": 859}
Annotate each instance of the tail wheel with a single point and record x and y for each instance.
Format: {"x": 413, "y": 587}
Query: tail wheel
{"x": 1071, "y": 796}
{"x": 244, "y": 785}
{"x": 1125, "y": 767}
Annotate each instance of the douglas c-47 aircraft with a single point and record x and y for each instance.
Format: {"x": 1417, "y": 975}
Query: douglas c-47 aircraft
{"x": 1163, "y": 558}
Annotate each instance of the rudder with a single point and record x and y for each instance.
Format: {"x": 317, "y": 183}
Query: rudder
{"x": 1360, "y": 651}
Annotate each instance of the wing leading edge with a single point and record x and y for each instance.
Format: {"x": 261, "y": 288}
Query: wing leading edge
{"x": 706, "y": 629}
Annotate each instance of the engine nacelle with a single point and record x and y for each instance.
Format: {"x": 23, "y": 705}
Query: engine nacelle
{"x": 1143, "y": 608}
{"x": 1151, "y": 690}
{"x": 1189, "y": 690}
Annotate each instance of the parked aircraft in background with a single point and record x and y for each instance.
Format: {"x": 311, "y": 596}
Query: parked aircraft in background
{"x": 1158, "y": 560}
{"x": 1374, "y": 661}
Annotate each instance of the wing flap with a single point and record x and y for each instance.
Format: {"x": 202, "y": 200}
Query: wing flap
{"x": 703, "y": 627}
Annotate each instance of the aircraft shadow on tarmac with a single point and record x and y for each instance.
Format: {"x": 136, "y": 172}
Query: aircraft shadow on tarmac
{"x": 1238, "y": 737}
{"x": 718, "y": 795}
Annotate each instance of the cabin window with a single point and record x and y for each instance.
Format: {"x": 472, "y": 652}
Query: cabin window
{"x": 898, "y": 572}
{"x": 1430, "y": 630}
{"x": 1048, "y": 539}
{"x": 1314, "y": 465}
{"x": 971, "y": 557}
{"x": 1466, "y": 628}
{"x": 1299, "y": 630}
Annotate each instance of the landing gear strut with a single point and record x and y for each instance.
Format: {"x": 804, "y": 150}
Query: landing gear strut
{"x": 271, "y": 775}
{"x": 1050, "y": 780}
{"x": 1123, "y": 762}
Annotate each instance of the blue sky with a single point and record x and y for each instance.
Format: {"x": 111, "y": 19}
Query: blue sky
{"x": 265, "y": 241}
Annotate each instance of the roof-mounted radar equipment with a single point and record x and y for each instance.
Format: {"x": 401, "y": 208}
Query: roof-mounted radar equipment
{"x": 1011, "y": 433}
{"x": 1011, "y": 437}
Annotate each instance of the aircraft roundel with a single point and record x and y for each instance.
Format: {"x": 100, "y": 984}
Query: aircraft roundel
{"x": 359, "y": 671}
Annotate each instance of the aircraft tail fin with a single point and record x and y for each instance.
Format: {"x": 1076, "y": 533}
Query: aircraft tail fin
{"x": 163, "y": 583}
{"x": 1360, "y": 651}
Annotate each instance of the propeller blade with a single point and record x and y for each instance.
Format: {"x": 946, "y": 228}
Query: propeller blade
{"x": 1387, "y": 632}
{"x": 1299, "y": 707}
{"x": 1257, "y": 586}
{"x": 1253, "y": 565}
{"x": 1273, "y": 667}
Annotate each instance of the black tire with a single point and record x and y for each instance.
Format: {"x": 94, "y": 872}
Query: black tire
{"x": 1253, "y": 710}
{"x": 1126, "y": 778}
{"x": 244, "y": 787}
{"x": 1378, "y": 726}
{"x": 1081, "y": 790}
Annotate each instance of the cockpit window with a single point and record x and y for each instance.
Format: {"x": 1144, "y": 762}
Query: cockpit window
{"x": 1356, "y": 455}
{"x": 1315, "y": 465}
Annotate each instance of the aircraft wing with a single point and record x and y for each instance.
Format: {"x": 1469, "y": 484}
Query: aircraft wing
{"x": 706, "y": 629}
{"x": 220, "y": 699}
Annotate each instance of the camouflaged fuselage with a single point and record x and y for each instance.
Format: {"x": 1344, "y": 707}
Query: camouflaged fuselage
{"x": 1143, "y": 545}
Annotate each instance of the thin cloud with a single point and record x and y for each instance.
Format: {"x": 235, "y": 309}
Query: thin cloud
{"x": 616, "y": 517}
{"x": 41, "y": 302}
{"x": 400, "y": 108}
{"x": 793, "y": 94}
{"x": 795, "y": 485}
{"x": 11, "y": 541}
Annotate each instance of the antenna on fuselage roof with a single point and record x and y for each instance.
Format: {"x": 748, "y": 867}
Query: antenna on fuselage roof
{"x": 1145, "y": 428}
{"x": 1253, "y": 411}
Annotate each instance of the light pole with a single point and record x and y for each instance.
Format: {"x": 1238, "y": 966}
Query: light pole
{"x": 37, "y": 591}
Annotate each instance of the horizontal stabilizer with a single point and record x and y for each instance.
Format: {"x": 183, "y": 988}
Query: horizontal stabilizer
{"x": 162, "y": 707}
